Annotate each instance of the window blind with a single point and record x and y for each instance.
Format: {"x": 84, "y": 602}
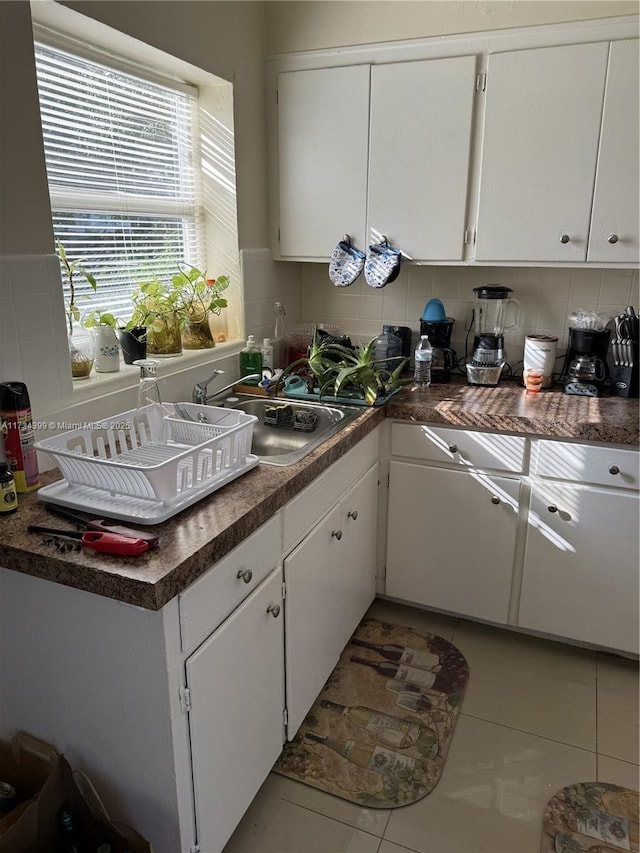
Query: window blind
{"x": 122, "y": 167}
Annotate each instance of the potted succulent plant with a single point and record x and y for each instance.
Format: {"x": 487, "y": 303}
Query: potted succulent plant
{"x": 201, "y": 299}
{"x": 81, "y": 344}
{"x": 352, "y": 374}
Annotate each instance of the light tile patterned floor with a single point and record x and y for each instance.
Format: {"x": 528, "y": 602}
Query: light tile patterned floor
{"x": 537, "y": 716}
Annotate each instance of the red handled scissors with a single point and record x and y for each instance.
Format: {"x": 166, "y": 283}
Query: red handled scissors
{"x": 108, "y": 543}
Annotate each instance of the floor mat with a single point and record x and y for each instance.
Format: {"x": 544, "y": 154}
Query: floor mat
{"x": 379, "y": 733}
{"x": 591, "y": 816}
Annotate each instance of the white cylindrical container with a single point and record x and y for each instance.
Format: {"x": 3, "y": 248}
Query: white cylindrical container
{"x": 107, "y": 357}
{"x": 540, "y": 352}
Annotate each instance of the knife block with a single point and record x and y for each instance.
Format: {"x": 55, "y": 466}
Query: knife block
{"x": 625, "y": 379}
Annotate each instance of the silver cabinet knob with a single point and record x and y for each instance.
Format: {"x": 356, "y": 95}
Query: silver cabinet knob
{"x": 245, "y": 574}
{"x": 614, "y": 470}
{"x": 353, "y": 515}
{"x": 337, "y": 534}
{"x": 453, "y": 448}
{"x": 274, "y": 610}
{"x": 612, "y": 238}
{"x": 495, "y": 500}
{"x": 552, "y": 508}
{"x": 565, "y": 238}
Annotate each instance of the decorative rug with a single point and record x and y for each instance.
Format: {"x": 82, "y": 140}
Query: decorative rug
{"x": 591, "y": 816}
{"x": 379, "y": 733}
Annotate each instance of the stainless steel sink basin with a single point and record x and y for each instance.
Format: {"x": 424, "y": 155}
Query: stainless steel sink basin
{"x": 284, "y": 445}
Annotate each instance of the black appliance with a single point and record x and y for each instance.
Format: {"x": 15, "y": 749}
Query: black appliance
{"x": 444, "y": 358}
{"x": 585, "y": 365}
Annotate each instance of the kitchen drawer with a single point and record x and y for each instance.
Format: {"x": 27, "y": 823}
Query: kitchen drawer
{"x": 208, "y": 601}
{"x": 459, "y": 447}
{"x": 585, "y": 463}
{"x": 315, "y": 501}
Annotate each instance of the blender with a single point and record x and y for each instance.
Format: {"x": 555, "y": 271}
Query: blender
{"x": 494, "y": 312}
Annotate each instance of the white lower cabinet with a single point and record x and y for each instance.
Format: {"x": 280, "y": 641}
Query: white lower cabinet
{"x": 451, "y": 539}
{"x": 581, "y": 561}
{"x": 330, "y": 583}
{"x": 236, "y": 685}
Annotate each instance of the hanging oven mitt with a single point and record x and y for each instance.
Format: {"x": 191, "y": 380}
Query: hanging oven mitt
{"x": 346, "y": 263}
{"x": 382, "y": 264}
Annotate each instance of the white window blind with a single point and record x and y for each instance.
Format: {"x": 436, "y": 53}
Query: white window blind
{"x": 122, "y": 168}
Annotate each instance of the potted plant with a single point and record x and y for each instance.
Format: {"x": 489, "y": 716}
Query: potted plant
{"x": 81, "y": 345}
{"x": 159, "y": 308}
{"x": 107, "y": 350}
{"x": 201, "y": 299}
{"x": 352, "y": 374}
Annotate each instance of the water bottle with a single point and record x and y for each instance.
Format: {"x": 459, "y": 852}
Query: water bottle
{"x": 423, "y": 357}
{"x": 388, "y": 345}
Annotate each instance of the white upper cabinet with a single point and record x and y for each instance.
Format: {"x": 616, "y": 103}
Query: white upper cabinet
{"x": 323, "y": 131}
{"x": 614, "y": 226}
{"x": 539, "y": 151}
{"x": 420, "y": 137}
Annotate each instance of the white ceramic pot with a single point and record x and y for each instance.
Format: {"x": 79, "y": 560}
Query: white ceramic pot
{"x": 107, "y": 356}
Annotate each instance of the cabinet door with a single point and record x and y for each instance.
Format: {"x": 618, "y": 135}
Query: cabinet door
{"x": 581, "y": 565}
{"x": 451, "y": 539}
{"x": 540, "y": 142}
{"x": 359, "y": 525}
{"x": 614, "y": 226}
{"x": 315, "y": 615}
{"x": 323, "y": 132}
{"x": 236, "y": 680}
{"x": 421, "y": 115}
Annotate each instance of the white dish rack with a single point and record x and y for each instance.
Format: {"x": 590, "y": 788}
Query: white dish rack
{"x": 149, "y": 464}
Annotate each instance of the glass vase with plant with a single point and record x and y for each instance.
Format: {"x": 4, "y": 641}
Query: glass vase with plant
{"x": 81, "y": 345}
{"x": 159, "y": 307}
{"x": 201, "y": 300}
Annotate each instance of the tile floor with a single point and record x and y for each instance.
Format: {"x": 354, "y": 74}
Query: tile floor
{"x": 537, "y": 716}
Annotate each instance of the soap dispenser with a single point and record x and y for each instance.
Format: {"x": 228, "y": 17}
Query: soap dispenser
{"x": 250, "y": 358}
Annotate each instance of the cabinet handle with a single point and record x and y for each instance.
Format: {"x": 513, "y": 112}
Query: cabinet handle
{"x": 614, "y": 470}
{"x": 353, "y": 515}
{"x": 495, "y": 500}
{"x": 453, "y": 448}
{"x": 612, "y": 238}
{"x": 337, "y": 534}
{"x": 552, "y": 508}
{"x": 565, "y": 238}
{"x": 245, "y": 574}
{"x": 274, "y": 610}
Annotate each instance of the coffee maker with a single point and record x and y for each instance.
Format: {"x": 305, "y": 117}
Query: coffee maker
{"x": 585, "y": 366}
{"x": 435, "y": 323}
{"x": 494, "y": 312}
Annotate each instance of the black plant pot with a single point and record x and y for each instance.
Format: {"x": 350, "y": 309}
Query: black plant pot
{"x": 133, "y": 343}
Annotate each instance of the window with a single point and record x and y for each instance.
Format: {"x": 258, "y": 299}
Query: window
{"x": 122, "y": 165}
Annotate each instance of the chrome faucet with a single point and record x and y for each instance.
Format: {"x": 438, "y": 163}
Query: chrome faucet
{"x": 200, "y": 395}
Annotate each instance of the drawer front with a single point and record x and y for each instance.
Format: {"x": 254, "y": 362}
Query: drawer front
{"x": 584, "y": 463}
{"x": 208, "y": 601}
{"x": 459, "y": 447}
{"x": 315, "y": 501}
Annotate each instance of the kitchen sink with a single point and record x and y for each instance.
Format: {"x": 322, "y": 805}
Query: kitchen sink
{"x": 287, "y": 442}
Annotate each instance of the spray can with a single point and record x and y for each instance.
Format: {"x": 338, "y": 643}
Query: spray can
{"x": 18, "y": 436}
{"x": 8, "y": 503}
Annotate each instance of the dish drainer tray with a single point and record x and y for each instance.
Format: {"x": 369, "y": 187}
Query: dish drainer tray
{"x": 123, "y": 508}
{"x": 150, "y": 463}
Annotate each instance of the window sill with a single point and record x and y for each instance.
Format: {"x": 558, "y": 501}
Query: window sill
{"x": 175, "y": 371}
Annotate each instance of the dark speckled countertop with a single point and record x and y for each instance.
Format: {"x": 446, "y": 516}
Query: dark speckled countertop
{"x": 191, "y": 542}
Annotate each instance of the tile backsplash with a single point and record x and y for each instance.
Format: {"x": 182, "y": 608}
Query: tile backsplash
{"x": 33, "y": 340}
{"x": 547, "y": 297}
